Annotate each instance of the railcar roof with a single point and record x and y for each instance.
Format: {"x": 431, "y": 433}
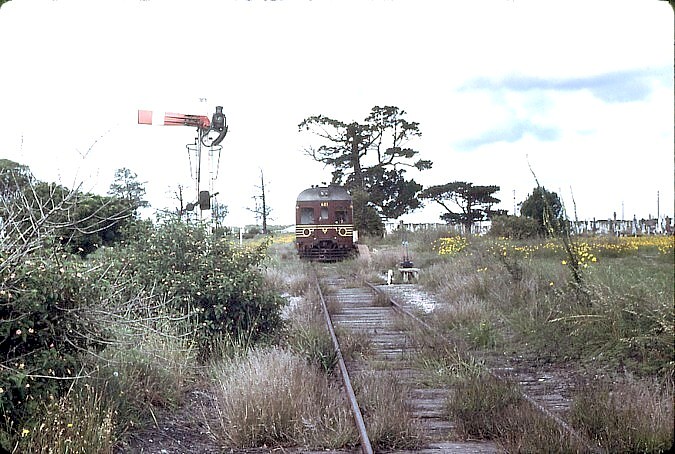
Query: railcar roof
{"x": 324, "y": 193}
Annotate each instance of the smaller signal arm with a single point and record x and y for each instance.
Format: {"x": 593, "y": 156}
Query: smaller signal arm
{"x": 201, "y": 122}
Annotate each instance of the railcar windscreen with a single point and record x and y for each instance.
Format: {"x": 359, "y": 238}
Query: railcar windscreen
{"x": 341, "y": 216}
{"x": 307, "y": 215}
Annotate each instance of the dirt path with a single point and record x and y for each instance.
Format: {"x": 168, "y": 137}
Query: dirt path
{"x": 184, "y": 430}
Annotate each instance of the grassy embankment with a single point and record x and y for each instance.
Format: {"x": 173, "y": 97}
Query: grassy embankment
{"x": 614, "y": 327}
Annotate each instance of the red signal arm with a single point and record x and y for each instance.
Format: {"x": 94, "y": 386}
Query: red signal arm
{"x": 145, "y": 117}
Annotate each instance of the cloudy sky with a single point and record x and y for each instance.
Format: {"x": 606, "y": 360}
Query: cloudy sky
{"x": 580, "y": 91}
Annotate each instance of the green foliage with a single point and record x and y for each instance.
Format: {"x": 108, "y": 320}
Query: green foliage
{"x": 514, "y": 227}
{"x": 126, "y": 188}
{"x": 546, "y": 208}
{"x": 380, "y": 139}
{"x": 210, "y": 279}
{"x": 47, "y": 212}
{"x": 57, "y": 309}
{"x": 474, "y": 202}
{"x": 393, "y": 194}
{"x": 45, "y": 323}
{"x": 14, "y": 178}
{"x": 96, "y": 221}
{"x": 366, "y": 219}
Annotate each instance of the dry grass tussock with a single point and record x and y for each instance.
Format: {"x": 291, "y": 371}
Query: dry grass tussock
{"x": 387, "y": 414}
{"x": 273, "y": 398}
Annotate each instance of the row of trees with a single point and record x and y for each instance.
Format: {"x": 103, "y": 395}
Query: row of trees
{"x": 371, "y": 159}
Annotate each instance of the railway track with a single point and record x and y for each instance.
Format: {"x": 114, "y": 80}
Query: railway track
{"x": 361, "y": 311}
{"x": 369, "y": 311}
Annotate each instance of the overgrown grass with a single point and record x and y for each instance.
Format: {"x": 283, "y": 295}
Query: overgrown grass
{"x": 81, "y": 421}
{"x": 629, "y": 416}
{"x": 313, "y": 342}
{"x": 489, "y": 408}
{"x": 521, "y": 291}
{"x": 520, "y": 296}
{"x": 275, "y": 398}
{"x": 286, "y": 272}
{"x": 441, "y": 358}
{"x": 387, "y": 414}
{"x": 129, "y": 384}
{"x": 307, "y": 334}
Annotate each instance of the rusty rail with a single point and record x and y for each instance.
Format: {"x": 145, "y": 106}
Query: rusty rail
{"x": 366, "y": 447}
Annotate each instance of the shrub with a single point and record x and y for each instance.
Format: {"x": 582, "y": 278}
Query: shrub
{"x": 514, "y": 227}
{"x": 218, "y": 284}
{"x": 45, "y": 323}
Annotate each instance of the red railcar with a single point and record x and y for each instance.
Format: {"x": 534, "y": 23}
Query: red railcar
{"x": 324, "y": 225}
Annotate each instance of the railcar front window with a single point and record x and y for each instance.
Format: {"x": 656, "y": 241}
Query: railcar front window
{"x": 306, "y": 215}
{"x": 324, "y": 213}
{"x": 341, "y": 216}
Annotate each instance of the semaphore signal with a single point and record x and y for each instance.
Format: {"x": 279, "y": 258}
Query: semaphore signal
{"x": 210, "y": 133}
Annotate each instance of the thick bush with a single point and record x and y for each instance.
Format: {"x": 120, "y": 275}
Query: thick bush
{"x": 514, "y": 227}
{"x": 45, "y": 324}
{"x": 218, "y": 284}
{"x": 56, "y": 309}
